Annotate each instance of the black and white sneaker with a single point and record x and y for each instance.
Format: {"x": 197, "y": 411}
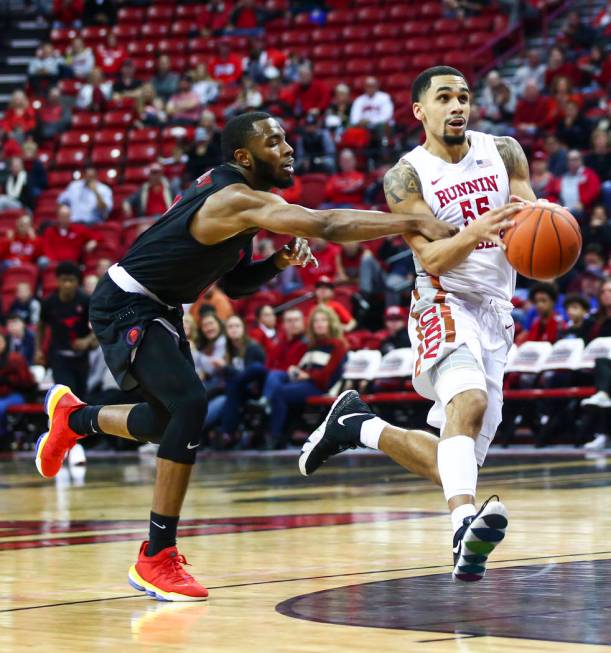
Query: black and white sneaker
{"x": 339, "y": 431}
{"x": 475, "y": 540}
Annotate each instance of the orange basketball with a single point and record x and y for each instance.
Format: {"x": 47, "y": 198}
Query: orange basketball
{"x": 544, "y": 242}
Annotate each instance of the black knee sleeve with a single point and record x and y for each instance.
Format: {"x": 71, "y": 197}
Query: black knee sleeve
{"x": 146, "y": 423}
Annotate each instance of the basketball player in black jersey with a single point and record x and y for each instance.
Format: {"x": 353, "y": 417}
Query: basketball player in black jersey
{"x": 136, "y": 314}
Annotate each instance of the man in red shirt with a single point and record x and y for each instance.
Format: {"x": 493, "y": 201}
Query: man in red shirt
{"x": 346, "y": 187}
{"x": 532, "y": 110}
{"x": 153, "y": 198}
{"x": 307, "y": 93}
{"x": 22, "y": 245}
{"x": 110, "y": 56}
{"x": 65, "y": 240}
{"x": 226, "y": 67}
{"x": 325, "y": 292}
{"x": 327, "y": 254}
{"x": 548, "y": 325}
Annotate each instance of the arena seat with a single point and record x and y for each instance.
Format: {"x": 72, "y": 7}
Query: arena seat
{"x": 396, "y": 364}
{"x": 157, "y": 13}
{"x": 125, "y": 32}
{"x": 313, "y": 194}
{"x": 131, "y": 15}
{"x": 106, "y": 155}
{"x": 362, "y": 365}
{"x": 71, "y": 158}
{"x": 356, "y": 33}
{"x": 110, "y": 137}
{"x": 565, "y": 354}
{"x": 75, "y": 139}
{"x": 56, "y": 179}
{"x": 325, "y": 35}
{"x": 140, "y": 153}
{"x": 597, "y": 348}
{"x": 15, "y": 274}
{"x": 118, "y": 118}
{"x": 109, "y": 176}
{"x": 530, "y": 357}
{"x": 94, "y": 35}
{"x": 86, "y": 121}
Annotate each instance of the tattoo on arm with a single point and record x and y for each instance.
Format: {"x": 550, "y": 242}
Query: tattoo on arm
{"x": 401, "y": 182}
{"x": 513, "y": 157}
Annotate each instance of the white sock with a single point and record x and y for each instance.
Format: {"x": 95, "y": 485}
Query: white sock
{"x": 371, "y": 430}
{"x": 458, "y": 514}
{"x": 457, "y": 466}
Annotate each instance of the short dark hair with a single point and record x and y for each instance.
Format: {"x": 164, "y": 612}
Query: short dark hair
{"x": 238, "y": 130}
{"x": 68, "y": 269}
{"x": 543, "y": 287}
{"x": 422, "y": 83}
{"x": 259, "y": 309}
{"x": 576, "y": 298}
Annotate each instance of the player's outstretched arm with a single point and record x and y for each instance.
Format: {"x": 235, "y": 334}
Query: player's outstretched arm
{"x": 516, "y": 165}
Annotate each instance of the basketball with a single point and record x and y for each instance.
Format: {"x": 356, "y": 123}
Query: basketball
{"x": 544, "y": 242}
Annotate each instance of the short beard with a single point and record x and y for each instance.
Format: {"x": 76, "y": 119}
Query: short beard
{"x": 266, "y": 176}
{"x": 454, "y": 140}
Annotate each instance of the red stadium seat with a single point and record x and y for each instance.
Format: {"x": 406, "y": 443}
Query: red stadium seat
{"x": 172, "y": 46}
{"x": 106, "y": 155}
{"x": 141, "y": 48}
{"x": 144, "y": 66}
{"x": 118, "y": 119}
{"x": 73, "y": 158}
{"x": 390, "y": 64}
{"x": 48, "y": 279}
{"x": 370, "y": 15}
{"x": 449, "y": 41}
{"x": 386, "y": 30}
{"x": 144, "y": 135}
{"x": 174, "y": 134}
{"x": 328, "y": 68}
{"x": 188, "y": 12}
{"x": 58, "y": 179}
{"x": 110, "y": 137}
{"x": 182, "y": 28}
{"x": 291, "y": 39}
{"x": 355, "y": 49}
{"x": 86, "y": 121}
{"x": 313, "y": 194}
{"x": 425, "y": 60}
{"x": 109, "y": 176}
{"x": 135, "y": 175}
{"x": 109, "y": 233}
{"x": 478, "y": 23}
{"x": 60, "y": 37}
{"x": 69, "y": 87}
{"x": 131, "y": 15}
{"x": 447, "y": 26}
{"x": 398, "y": 82}
{"x": 419, "y": 44}
{"x": 325, "y": 35}
{"x": 121, "y": 104}
{"x": 389, "y": 47}
{"x": 160, "y": 14}
{"x": 155, "y": 30}
{"x": 360, "y": 66}
{"x": 93, "y": 36}
{"x": 414, "y": 27}
{"x": 431, "y": 9}
{"x": 126, "y": 32}
{"x": 402, "y": 11}
{"x": 141, "y": 153}
{"x": 200, "y": 44}
{"x": 356, "y": 33}
{"x": 478, "y": 40}
{"x": 340, "y": 17}
{"x": 75, "y": 139}
{"x": 16, "y": 274}
{"x": 328, "y": 51}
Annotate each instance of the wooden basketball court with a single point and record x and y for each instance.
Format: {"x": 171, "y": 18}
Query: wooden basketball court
{"x": 356, "y": 558}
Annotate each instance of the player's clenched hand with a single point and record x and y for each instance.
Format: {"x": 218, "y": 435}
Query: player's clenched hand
{"x": 433, "y": 229}
{"x": 297, "y": 252}
{"x": 487, "y": 227}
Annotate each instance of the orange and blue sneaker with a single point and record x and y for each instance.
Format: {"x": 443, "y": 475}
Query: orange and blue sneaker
{"x": 52, "y": 446}
{"x": 164, "y": 578}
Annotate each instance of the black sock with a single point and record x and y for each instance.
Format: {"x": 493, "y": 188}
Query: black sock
{"x": 84, "y": 421}
{"x": 162, "y": 533}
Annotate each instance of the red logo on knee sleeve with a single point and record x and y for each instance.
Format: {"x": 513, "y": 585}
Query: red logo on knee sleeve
{"x": 133, "y": 335}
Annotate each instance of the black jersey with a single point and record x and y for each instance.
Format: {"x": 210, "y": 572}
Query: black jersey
{"x": 169, "y": 262}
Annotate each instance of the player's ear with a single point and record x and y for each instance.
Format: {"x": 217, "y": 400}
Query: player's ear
{"x": 242, "y": 156}
{"x": 418, "y": 112}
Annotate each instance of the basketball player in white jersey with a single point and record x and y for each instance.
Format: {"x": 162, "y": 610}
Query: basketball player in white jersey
{"x": 460, "y": 322}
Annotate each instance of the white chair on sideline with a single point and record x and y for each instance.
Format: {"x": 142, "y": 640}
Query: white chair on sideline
{"x": 598, "y": 348}
{"x": 565, "y": 355}
{"x": 362, "y": 365}
{"x": 396, "y": 364}
{"x": 530, "y": 357}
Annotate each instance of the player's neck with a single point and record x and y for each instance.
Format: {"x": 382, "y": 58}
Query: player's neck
{"x": 450, "y": 153}
{"x": 251, "y": 178}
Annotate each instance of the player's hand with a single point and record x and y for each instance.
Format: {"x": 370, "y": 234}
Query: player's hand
{"x": 487, "y": 227}
{"x": 81, "y": 344}
{"x": 39, "y": 357}
{"x": 297, "y": 252}
{"x": 433, "y": 229}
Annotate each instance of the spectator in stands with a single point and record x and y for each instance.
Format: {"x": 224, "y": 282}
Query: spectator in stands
{"x": 337, "y": 116}
{"x": 599, "y": 228}
{"x": 547, "y": 325}
{"x": 556, "y": 155}
{"x": 248, "y": 99}
{"x": 19, "y": 118}
{"x": 580, "y": 323}
{"x": 314, "y": 146}
{"x": 95, "y": 94}
{"x": 44, "y": 69}
{"x": 213, "y": 347}
{"x": 19, "y": 339}
{"x": 325, "y": 293}
{"x": 68, "y": 13}
{"x": 602, "y": 20}
{"x": 90, "y": 283}
{"x": 79, "y": 59}
{"x": 18, "y": 188}
{"x": 274, "y": 99}
{"x": 593, "y": 68}
{"x": 226, "y": 66}
{"x": 395, "y": 319}
{"x": 150, "y": 108}
{"x": 184, "y": 107}
{"x": 307, "y": 93}
{"x": 37, "y": 174}
{"x": 349, "y": 263}
{"x": 126, "y": 84}
{"x": 346, "y": 187}
{"x": 373, "y": 109}
{"x": 248, "y": 18}
{"x": 497, "y": 100}
{"x": 574, "y": 128}
{"x": 153, "y": 198}
{"x": 206, "y": 88}
{"x": 532, "y": 70}
{"x": 15, "y": 380}
{"x": 207, "y": 121}
{"x": 579, "y": 187}
{"x": 562, "y": 92}
{"x": 66, "y": 240}
{"x": 532, "y": 111}
{"x": 21, "y": 245}
{"x": 558, "y": 66}
{"x": 90, "y": 200}
{"x": 53, "y": 115}
{"x": 164, "y": 80}
{"x": 65, "y": 313}
{"x": 478, "y": 122}
{"x": 543, "y": 182}
{"x": 327, "y": 254}
{"x": 317, "y": 372}
{"x": 212, "y": 300}
{"x": 204, "y": 154}
{"x": 25, "y": 305}
{"x": 575, "y": 34}
{"x": 192, "y": 334}
{"x": 110, "y": 56}
{"x": 599, "y": 157}
{"x": 265, "y": 332}
{"x": 263, "y": 64}
{"x": 291, "y": 344}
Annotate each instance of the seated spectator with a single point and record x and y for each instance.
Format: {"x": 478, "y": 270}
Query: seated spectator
{"x": 53, "y": 115}
{"x": 327, "y": 255}
{"x": 592, "y": 67}
{"x": 248, "y": 17}
{"x": 126, "y": 84}
{"x": 314, "y": 147}
{"x": 101, "y": 12}
{"x": 575, "y": 34}
{"x": 19, "y": 118}
{"x": 21, "y": 245}
{"x": 90, "y": 200}
{"x": 150, "y": 108}
{"x": 214, "y": 19}
{"x": 213, "y": 347}
{"x": 532, "y": 70}
{"x": 193, "y": 336}
{"x": 599, "y": 228}
{"x": 184, "y": 107}
{"x": 18, "y": 189}
{"x": 547, "y": 325}
{"x": 574, "y": 129}
{"x": 90, "y": 283}
{"x": 15, "y": 380}
{"x": 317, "y": 372}
{"x": 68, "y": 13}
{"x": 203, "y": 154}
{"x": 556, "y": 155}
{"x": 580, "y": 323}
{"x": 207, "y": 122}
{"x": 44, "y": 69}
{"x": 532, "y": 111}
{"x": 265, "y": 332}
{"x": 66, "y": 240}
{"x": 274, "y": 99}
{"x": 226, "y": 65}
{"x": 19, "y": 339}
{"x": 562, "y": 93}
{"x": 395, "y": 320}
{"x": 164, "y": 81}
{"x": 79, "y": 58}
{"x": 599, "y": 158}
{"x": 110, "y": 56}
{"x": 373, "y": 109}
{"x": 557, "y": 66}
{"x": 95, "y": 94}
{"x": 263, "y": 64}
{"x": 307, "y": 93}
{"x": 37, "y": 174}
{"x": 602, "y": 20}
{"x": 497, "y": 100}
{"x": 25, "y": 305}
{"x": 291, "y": 344}
{"x": 65, "y": 312}
{"x": 153, "y": 198}
{"x": 337, "y": 116}
{"x": 325, "y": 292}
{"x": 249, "y": 99}
{"x": 206, "y": 88}
{"x": 579, "y": 187}
{"x": 346, "y": 187}
{"x": 349, "y": 263}
{"x": 543, "y": 182}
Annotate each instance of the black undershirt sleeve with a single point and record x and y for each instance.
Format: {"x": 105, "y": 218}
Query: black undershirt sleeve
{"x": 248, "y": 276}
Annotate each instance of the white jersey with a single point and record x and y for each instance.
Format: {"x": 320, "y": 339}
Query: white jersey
{"x": 458, "y": 193}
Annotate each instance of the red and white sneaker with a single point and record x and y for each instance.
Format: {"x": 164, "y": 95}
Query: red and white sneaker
{"x": 52, "y": 446}
{"x": 163, "y": 577}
